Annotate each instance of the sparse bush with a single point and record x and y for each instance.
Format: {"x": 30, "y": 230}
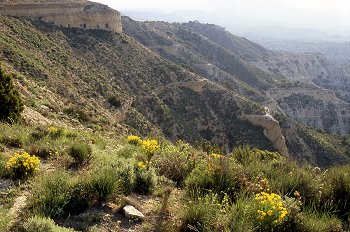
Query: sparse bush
{"x": 309, "y": 221}
{"x": 41, "y": 224}
{"x": 11, "y": 104}
{"x": 335, "y": 191}
{"x": 242, "y": 215}
{"x": 80, "y": 152}
{"x": 14, "y": 135}
{"x": 39, "y": 133}
{"x": 10, "y": 141}
{"x": 22, "y": 164}
{"x": 246, "y": 155}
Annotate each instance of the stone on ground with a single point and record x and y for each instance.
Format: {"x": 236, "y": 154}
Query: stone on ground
{"x": 132, "y": 213}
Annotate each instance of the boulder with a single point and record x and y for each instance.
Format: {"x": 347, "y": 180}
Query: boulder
{"x": 131, "y": 212}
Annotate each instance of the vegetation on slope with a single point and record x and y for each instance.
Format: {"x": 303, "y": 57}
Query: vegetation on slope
{"x": 11, "y": 104}
{"x": 176, "y": 186}
{"x": 70, "y": 75}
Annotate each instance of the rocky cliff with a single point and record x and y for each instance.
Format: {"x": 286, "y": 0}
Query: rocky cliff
{"x": 81, "y": 14}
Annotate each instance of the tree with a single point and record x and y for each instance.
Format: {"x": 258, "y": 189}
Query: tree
{"x": 11, "y": 104}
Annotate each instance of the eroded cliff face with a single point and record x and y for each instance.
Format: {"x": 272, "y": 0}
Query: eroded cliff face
{"x": 81, "y": 14}
{"x": 315, "y": 107}
{"x": 310, "y": 68}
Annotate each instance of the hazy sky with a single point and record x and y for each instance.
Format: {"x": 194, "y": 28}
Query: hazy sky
{"x": 329, "y": 15}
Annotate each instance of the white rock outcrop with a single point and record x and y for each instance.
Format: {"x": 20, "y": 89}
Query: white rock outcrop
{"x": 272, "y": 130}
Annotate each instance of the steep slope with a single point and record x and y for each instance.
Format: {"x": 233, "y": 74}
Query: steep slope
{"x": 205, "y": 57}
{"x": 311, "y": 99}
{"x": 243, "y": 47}
{"x": 67, "y": 73}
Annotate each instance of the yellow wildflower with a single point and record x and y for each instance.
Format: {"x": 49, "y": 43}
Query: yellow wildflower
{"x": 133, "y": 139}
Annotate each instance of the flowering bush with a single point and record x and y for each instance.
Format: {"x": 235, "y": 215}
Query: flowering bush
{"x": 150, "y": 147}
{"x": 56, "y": 132}
{"x": 22, "y": 164}
{"x": 133, "y": 139}
{"x": 271, "y": 210}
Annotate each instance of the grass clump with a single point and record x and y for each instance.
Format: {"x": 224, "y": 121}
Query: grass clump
{"x": 80, "y": 152}
{"x": 42, "y": 224}
{"x": 15, "y": 135}
{"x": 203, "y": 213}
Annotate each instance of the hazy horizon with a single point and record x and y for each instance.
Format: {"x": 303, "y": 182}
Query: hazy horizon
{"x": 330, "y": 16}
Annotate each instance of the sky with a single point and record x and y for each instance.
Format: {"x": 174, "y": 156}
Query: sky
{"x": 331, "y": 16}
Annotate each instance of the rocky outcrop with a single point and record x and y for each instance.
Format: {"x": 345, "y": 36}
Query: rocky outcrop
{"x": 272, "y": 130}
{"x": 314, "y": 107}
{"x": 82, "y": 14}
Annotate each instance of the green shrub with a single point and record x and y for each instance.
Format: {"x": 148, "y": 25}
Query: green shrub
{"x": 317, "y": 222}
{"x": 11, "y": 104}
{"x": 204, "y": 214}
{"x": 217, "y": 173}
{"x": 79, "y": 198}
{"x": 291, "y": 178}
{"x": 41, "y": 224}
{"x": 103, "y": 182}
{"x": 51, "y": 194}
{"x": 114, "y": 101}
{"x": 42, "y": 150}
{"x": 124, "y": 169}
{"x": 5, "y": 219}
{"x": 246, "y": 155}
{"x": 174, "y": 163}
{"x": 335, "y": 191}
{"x": 80, "y": 152}
{"x": 145, "y": 180}
{"x": 242, "y": 215}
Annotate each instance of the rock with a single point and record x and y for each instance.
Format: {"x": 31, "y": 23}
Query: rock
{"x": 132, "y": 213}
{"x": 272, "y": 130}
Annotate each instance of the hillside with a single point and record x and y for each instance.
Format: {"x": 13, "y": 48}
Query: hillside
{"x": 162, "y": 128}
{"x": 71, "y": 74}
{"x": 311, "y": 76}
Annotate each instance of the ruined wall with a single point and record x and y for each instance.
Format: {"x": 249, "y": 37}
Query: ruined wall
{"x": 88, "y": 15}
